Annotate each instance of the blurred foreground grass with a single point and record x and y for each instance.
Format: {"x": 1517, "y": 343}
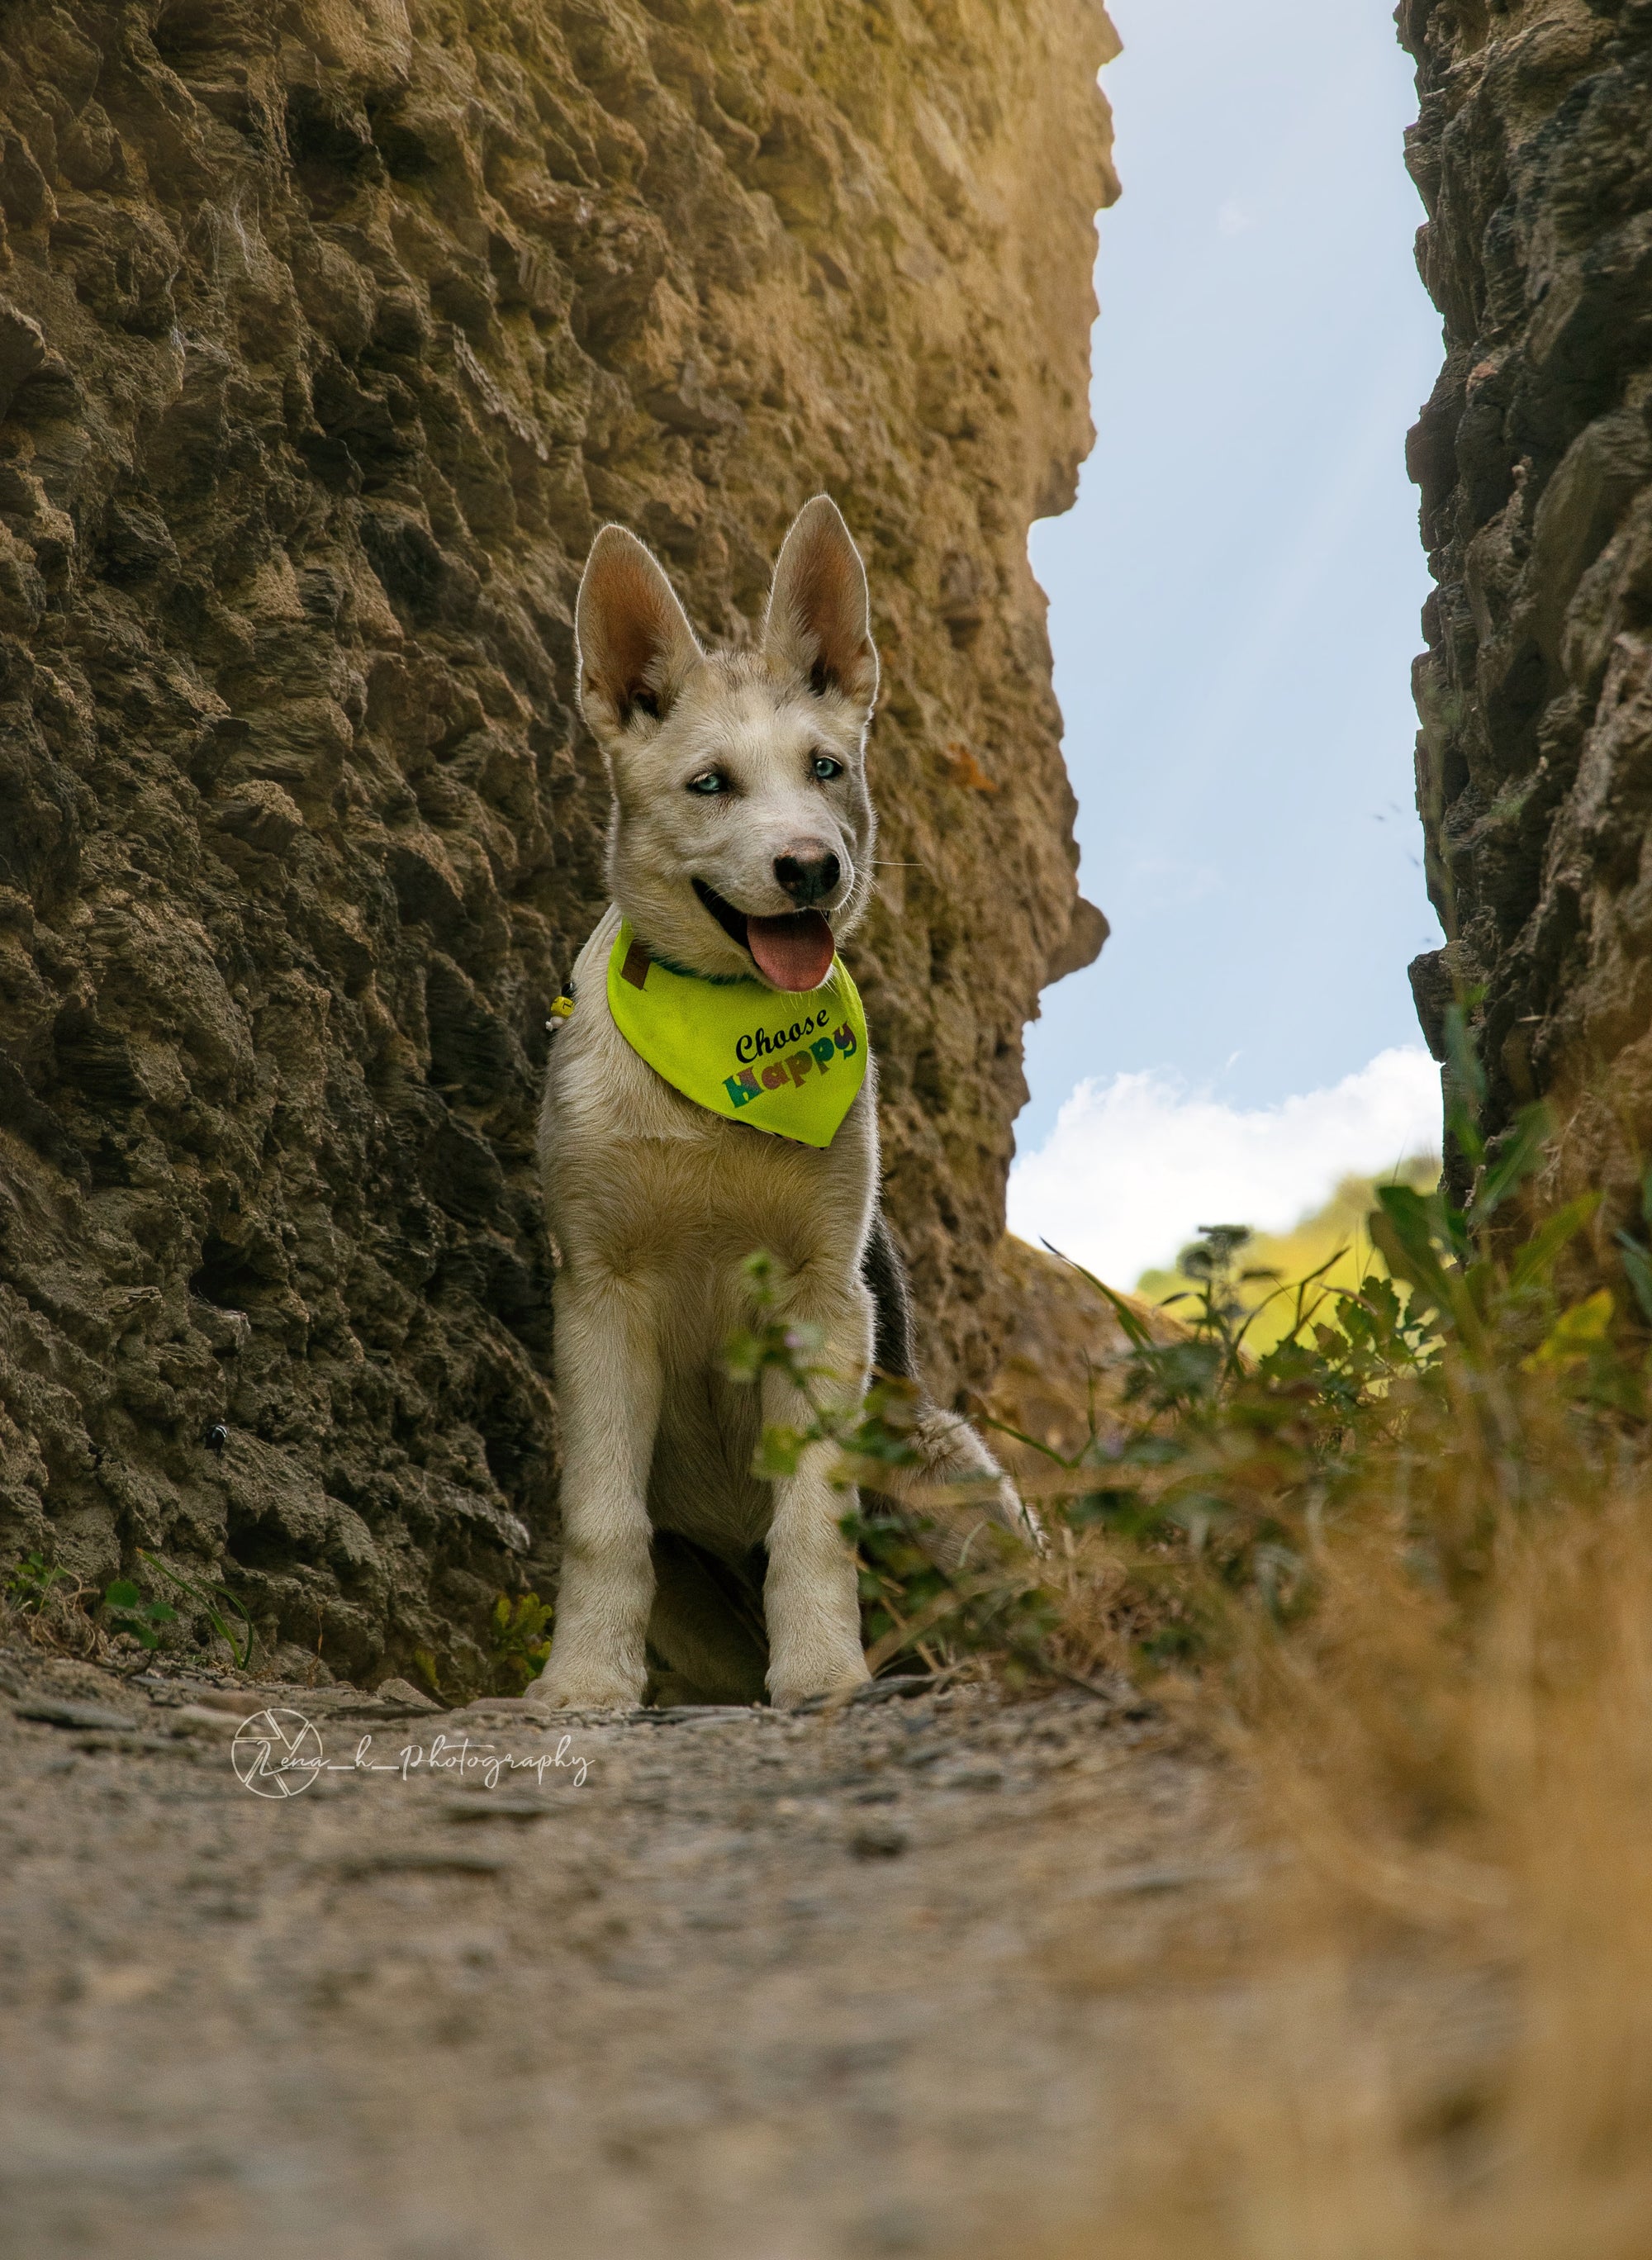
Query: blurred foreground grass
{"x": 1406, "y": 1580}
{"x": 1399, "y": 1568}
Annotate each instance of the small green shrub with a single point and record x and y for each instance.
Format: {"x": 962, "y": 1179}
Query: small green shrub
{"x": 1211, "y": 1479}
{"x": 519, "y": 1641}
{"x": 911, "y": 1602}
{"x": 127, "y": 1607}
{"x": 212, "y": 1600}
{"x": 32, "y": 1582}
{"x": 127, "y": 1611}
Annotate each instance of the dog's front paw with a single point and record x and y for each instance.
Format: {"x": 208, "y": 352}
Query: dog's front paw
{"x": 591, "y": 1690}
{"x": 837, "y": 1678}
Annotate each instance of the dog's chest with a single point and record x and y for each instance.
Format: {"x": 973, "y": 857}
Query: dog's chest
{"x": 642, "y": 1180}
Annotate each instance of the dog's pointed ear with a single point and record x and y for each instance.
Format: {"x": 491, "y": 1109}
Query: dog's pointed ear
{"x": 819, "y": 625}
{"x": 636, "y": 648}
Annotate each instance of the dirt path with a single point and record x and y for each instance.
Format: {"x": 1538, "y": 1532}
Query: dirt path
{"x": 751, "y": 1986}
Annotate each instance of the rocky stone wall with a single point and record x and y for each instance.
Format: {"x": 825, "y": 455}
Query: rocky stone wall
{"x": 1534, "y": 155}
{"x": 329, "y": 333}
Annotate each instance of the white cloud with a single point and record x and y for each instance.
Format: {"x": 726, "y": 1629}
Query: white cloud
{"x": 1233, "y": 220}
{"x": 1133, "y": 1167}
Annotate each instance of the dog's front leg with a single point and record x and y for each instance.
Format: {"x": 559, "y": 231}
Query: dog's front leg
{"x": 811, "y": 1595}
{"x": 607, "y": 1390}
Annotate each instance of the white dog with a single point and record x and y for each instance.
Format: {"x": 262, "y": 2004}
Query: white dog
{"x": 710, "y": 1095}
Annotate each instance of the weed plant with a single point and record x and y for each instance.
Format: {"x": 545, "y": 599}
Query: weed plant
{"x": 1399, "y": 1569}
{"x": 60, "y": 1612}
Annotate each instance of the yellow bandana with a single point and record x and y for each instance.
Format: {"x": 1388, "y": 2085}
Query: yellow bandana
{"x": 788, "y": 1063}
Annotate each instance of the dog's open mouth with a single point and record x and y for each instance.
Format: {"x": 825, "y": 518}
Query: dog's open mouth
{"x": 790, "y": 953}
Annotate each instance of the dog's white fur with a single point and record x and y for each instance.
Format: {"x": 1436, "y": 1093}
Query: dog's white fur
{"x": 654, "y": 1202}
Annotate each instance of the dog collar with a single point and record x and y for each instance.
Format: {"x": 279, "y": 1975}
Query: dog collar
{"x": 788, "y": 1063}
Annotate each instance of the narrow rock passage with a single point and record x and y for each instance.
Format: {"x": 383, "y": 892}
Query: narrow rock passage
{"x": 719, "y": 1983}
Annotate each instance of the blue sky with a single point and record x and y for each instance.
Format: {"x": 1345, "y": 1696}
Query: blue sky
{"x": 1234, "y": 598}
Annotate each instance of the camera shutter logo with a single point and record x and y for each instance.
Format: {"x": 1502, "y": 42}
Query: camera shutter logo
{"x": 276, "y": 1753}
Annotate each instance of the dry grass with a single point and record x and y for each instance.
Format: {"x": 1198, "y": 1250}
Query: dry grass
{"x": 1446, "y": 1745}
{"x": 56, "y": 1621}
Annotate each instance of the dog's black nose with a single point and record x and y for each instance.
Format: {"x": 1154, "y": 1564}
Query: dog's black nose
{"x": 808, "y": 872}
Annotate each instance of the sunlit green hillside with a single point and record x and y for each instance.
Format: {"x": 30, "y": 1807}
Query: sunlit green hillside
{"x": 1334, "y": 1236}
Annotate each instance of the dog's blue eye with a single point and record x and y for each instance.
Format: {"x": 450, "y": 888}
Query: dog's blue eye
{"x": 824, "y": 768}
{"x": 713, "y": 781}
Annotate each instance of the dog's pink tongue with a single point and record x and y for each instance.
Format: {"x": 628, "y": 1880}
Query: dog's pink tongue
{"x": 793, "y": 953}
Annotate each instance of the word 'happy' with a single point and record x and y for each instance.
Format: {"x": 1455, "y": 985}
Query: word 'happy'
{"x": 820, "y": 1053}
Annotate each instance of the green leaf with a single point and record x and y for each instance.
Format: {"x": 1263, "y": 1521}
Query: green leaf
{"x": 243, "y": 1655}
{"x": 123, "y": 1594}
{"x": 1032, "y": 1442}
{"x": 162, "y": 1613}
{"x": 1454, "y": 1229}
{"x": 1638, "y": 1264}
{"x": 1134, "y": 1332}
{"x": 1403, "y": 1226}
{"x": 1536, "y": 1259}
{"x": 1522, "y": 1152}
{"x": 204, "y": 1596}
{"x": 1576, "y": 1334}
{"x": 760, "y": 1268}
{"x": 745, "y": 1354}
{"x": 778, "y": 1453}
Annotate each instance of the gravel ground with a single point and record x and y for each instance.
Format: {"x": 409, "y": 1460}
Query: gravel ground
{"x": 706, "y": 1982}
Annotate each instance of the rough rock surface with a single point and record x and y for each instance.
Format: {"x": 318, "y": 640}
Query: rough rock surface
{"x": 1534, "y": 155}
{"x": 328, "y": 335}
